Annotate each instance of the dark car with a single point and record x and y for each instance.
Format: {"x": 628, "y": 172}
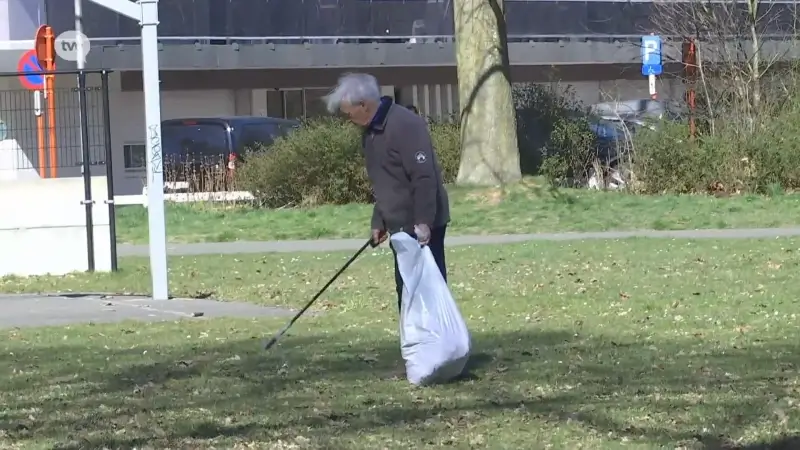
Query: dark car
{"x": 203, "y": 152}
{"x": 614, "y": 124}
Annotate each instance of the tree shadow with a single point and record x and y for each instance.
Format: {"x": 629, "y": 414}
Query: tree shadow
{"x": 722, "y": 442}
{"x": 317, "y": 383}
{"x": 552, "y": 193}
{"x": 783, "y": 443}
{"x": 197, "y": 431}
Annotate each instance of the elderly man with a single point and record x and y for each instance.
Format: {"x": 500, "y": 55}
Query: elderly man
{"x": 401, "y": 164}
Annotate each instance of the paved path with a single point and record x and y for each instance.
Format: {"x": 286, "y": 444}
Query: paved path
{"x": 52, "y": 310}
{"x": 328, "y": 245}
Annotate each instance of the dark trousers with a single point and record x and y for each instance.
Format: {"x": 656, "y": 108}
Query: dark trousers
{"x": 436, "y": 244}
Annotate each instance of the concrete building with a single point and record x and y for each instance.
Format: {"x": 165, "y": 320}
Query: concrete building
{"x": 278, "y": 57}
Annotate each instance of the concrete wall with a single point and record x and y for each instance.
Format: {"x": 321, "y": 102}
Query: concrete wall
{"x": 442, "y": 100}
{"x": 46, "y": 233}
{"x": 19, "y": 19}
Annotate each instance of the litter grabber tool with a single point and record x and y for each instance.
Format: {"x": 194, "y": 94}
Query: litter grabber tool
{"x": 283, "y": 331}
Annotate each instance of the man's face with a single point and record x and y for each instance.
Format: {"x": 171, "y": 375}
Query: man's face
{"x": 358, "y": 113}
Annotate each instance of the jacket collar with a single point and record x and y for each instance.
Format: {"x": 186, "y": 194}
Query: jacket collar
{"x": 378, "y": 122}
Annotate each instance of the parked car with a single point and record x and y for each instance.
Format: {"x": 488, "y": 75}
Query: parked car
{"x": 201, "y": 154}
{"x": 614, "y": 124}
{"x": 611, "y": 139}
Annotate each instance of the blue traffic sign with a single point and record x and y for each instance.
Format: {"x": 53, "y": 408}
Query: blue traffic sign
{"x": 651, "y": 50}
{"x": 653, "y": 69}
{"x": 27, "y": 67}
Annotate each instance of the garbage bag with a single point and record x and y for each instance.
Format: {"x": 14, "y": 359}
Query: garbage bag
{"x": 434, "y": 339}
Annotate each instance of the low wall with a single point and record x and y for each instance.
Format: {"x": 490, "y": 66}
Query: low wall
{"x": 43, "y": 227}
{"x": 14, "y": 163}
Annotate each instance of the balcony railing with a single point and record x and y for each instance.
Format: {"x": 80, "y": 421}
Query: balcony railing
{"x": 371, "y": 20}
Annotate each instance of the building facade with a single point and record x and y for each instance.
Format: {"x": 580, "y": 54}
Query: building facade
{"x": 279, "y": 57}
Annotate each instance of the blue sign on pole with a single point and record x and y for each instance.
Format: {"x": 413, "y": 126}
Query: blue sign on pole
{"x": 651, "y": 55}
{"x": 27, "y": 67}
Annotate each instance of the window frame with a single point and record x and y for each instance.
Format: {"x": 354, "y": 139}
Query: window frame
{"x": 127, "y": 156}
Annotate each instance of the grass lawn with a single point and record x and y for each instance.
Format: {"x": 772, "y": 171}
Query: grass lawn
{"x": 639, "y": 344}
{"x": 524, "y": 209}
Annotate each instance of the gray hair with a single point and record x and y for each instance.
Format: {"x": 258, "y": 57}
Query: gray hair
{"x": 353, "y": 88}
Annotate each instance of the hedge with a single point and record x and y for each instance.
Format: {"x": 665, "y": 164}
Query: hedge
{"x": 321, "y": 163}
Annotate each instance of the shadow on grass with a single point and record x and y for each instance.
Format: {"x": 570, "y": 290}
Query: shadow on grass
{"x": 784, "y": 443}
{"x": 552, "y": 193}
{"x": 332, "y": 386}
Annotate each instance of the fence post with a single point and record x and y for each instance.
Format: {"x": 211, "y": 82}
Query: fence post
{"x": 112, "y": 212}
{"x": 87, "y": 168}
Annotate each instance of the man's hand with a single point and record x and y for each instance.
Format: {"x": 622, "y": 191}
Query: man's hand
{"x": 423, "y": 233}
{"x": 378, "y": 236}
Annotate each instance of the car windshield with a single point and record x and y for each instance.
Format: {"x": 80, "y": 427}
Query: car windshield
{"x": 255, "y": 135}
{"x": 194, "y": 140}
{"x": 606, "y": 129}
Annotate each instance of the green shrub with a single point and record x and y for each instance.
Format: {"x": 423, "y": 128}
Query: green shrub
{"x": 569, "y": 152}
{"x": 319, "y": 163}
{"x": 446, "y": 137}
{"x": 666, "y": 160}
{"x": 728, "y": 160}
{"x": 552, "y": 131}
{"x": 745, "y": 143}
{"x": 774, "y": 156}
{"x": 322, "y": 163}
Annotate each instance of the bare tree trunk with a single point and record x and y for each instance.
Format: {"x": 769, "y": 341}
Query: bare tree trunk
{"x": 755, "y": 62}
{"x": 490, "y": 153}
{"x": 701, "y": 69}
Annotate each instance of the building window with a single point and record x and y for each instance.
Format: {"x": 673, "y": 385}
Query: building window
{"x": 275, "y": 104}
{"x": 315, "y": 103}
{"x": 294, "y": 104}
{"x": 135, "y": 156}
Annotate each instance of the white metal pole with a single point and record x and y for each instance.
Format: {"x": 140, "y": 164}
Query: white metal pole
{"x": 651, "y": 84}
{"x": 155, "y": 166}
{"x": 86, "y": 164}
{"x": 81, "y": 63}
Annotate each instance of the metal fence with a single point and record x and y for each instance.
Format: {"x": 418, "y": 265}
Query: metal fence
{"x": 48, "y": 130}
{"x": 61, "y": 128}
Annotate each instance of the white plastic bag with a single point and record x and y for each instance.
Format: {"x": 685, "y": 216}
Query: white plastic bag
{"x": 434, "y": 339}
